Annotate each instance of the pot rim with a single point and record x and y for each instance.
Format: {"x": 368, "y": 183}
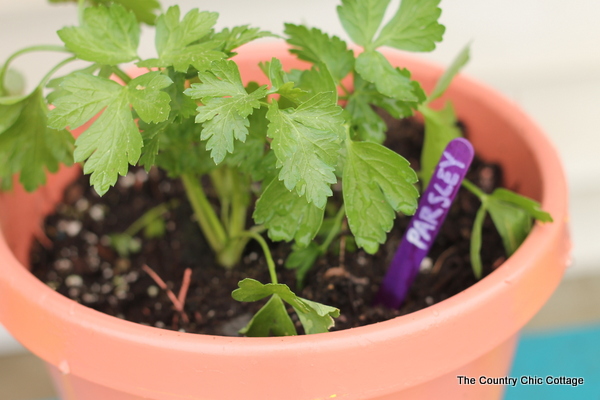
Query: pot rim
{"x": 434, "y": 323}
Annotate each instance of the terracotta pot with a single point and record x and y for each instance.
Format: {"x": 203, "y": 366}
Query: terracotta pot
{"x": 93, "y": 356}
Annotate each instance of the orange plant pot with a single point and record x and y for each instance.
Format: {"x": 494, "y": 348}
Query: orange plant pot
{"x": 93, "y": 356}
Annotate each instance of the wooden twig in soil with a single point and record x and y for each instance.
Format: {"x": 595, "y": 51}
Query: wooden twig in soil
{"x": 42, "y": 238}
{"x": 340, "y": 270}
{"x": 442, "y": 258}
{"x": 185, "y": 284}
{"x": 499, "y": 261}
{"x": 178, "y": 301}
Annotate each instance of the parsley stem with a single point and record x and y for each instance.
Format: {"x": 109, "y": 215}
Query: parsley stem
{"x": 80, "y": 8}
{"x": 475, "y": 248}
{"x": 31, "y": 49}
{"x": 239, "y": 204}
{"x": 265, "y": 247}
{"x": 471, "y": 187}
{"x": 346, "y": 91}
{"x": 122, "y": 75}
{"x": 232, "y": 252}
{"x": 335, "y": 230}
{"x": 26, "y": 50}
{"x": 149, "y": 216}
{"x": 207, "y": 219}
{"x": 232, "y": 188}
{"x": 58, "y": 66}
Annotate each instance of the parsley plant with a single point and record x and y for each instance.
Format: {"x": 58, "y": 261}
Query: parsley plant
{"x": 285, "y": 143}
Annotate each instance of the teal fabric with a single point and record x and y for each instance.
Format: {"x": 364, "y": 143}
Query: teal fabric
{"x": 573, "y": 352}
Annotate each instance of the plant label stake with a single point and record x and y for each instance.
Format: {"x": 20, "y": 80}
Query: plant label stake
{"x": 425, "y": 224}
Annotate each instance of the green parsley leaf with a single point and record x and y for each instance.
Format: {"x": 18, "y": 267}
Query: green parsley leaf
{"x": 299, "y": 86}
{"x": 398, "y": 108}
{"x": 13, "y": 85}
{"x": 172, "y": 34}
{"x": 306, "y": 141}
{"x": 113, "y": 141}
{"x": 440, "y": 129}
{"x": 271, "y": 320}
{"x": 10, "y": 110}
{"x": 27, "y": 145}
{"x": 181, "y": 151}
{"x": 224, "y": 118}
{"x": 175, "y": 41}
{"x": 317, "y": 47}
{"x": 238, "y": 36}
{"x": 367, "y": 123}
{"x": 251, "y": 290}
{"x": 55, "y": 83}
{"x": 286, "y": 215}
{"x": 280, "y": 82}
{"x": 151, "y": 104}
{"x": 376, "y": 182}
{"x": 302, "y": 259}
{"x": 266, "y": 170}
{"x": 512, "y": 215}
{"x": 249, "y": 155}
{"x": 315, "y": 317}
{"x": 109, "y": 145}
{"x": 442, "y": 84}
{"x": 198, "y": 55}
{"x": 151, "y": 138}
{"x": 528, "y": 205}
{"x": 107, "y": 35}
{"x": 513, "y": 224}
{"x": 88, "y": 95}
{"x": 294, "y": 75}
{"x": 361, "y": 18}
{"x": 318, "y": 80}
{"x": 182, "y": 106}
{"x": 374, "y": 67}
{"x": 415, "y": 27}
{"x": 144, "y": 10}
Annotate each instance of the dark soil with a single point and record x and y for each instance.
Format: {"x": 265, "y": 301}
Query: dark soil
{"x": 81, "y": 264}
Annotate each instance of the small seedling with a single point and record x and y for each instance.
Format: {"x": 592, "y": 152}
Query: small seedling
{"x": 151, "y": 223}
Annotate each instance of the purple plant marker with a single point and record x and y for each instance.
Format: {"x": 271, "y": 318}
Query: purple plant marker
{"x": 425, "y": 224}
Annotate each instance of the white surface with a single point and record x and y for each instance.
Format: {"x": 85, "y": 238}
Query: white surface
{"x": 542, "y": 54}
